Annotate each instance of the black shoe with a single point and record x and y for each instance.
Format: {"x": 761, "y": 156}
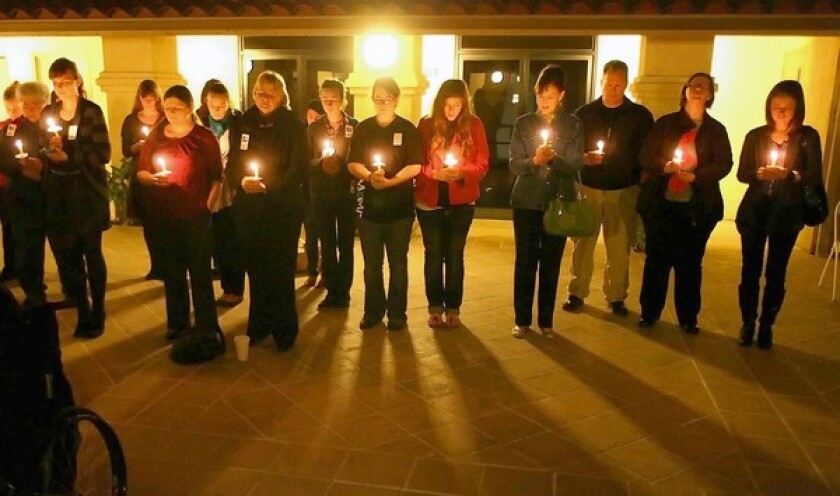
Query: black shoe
{"x": 257, "y": 340}
{"x": 745, "y": 338}
{"x": 765, "y": 337}
{"x": 618, "y": 308}
{"x": 198, "y": 346}
{"x": 690, "y": 328}
{"x": 328, "y": 302}
{"x": 67, "y": 302}
{"x": 97, "y": 319}
{"x": 85, "y": 329}
{"x": 572, "y": 304}
{"x": 647, "y": 322}
{"x": 395, "y": 325}
{"x": 367, "y": 322}
{"x": 173, "y": 333}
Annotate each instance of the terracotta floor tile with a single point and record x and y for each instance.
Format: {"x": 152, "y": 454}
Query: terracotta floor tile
{"x": 446, "y": 477}
{"x": 506, "y": 481}
{"x": 375, "y": 469}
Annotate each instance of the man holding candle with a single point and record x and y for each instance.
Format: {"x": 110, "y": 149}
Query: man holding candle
{"x": 332, "y": 193}
{"x": 614, "y": 130}
{"x": 387, "y": 202}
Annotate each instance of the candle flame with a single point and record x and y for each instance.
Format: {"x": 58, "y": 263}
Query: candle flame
{"x": 256, "y": 169}
{"x": 600, "y": 145}
{"x": 544, "y": 134}
{"x": 19, "y": 144}
{"x": 678, "y": 156}
{"x": 50, "y": 122}
{"x": 774, "y": 156}
{"x": 450, "y": 160}
{"x": 377, "y": 160}
{"x": 145, "y": 130}
{"x": 162, "y": 164}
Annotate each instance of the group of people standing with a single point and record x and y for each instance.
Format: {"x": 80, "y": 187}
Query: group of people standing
{"x": 235, "y": 188}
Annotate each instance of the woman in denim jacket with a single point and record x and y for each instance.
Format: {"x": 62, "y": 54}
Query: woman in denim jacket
{"x": 546, "y": 153}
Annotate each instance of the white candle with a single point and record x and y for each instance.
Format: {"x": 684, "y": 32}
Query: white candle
{"x": 377, "y": 161}
{"x": 145, "y": 130}
{"x": 52, "y": 127}
{"x": 255, "y": 168}
{"x": 678, "y": 156}
{"x": 600, "y": 145}
{"x": 329, "y": 149}
{"x": 19, "y": 145}
{"x": 774, "y": 156}
{"x": 161, "y": 162}
{"x": 544, "y": 135}
{"x": 450, "y": 160}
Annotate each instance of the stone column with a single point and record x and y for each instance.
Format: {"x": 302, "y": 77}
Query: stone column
{"x": 666, "y": 63}
{"x": 407, "y": 70}
{"x": 128, "y": 60}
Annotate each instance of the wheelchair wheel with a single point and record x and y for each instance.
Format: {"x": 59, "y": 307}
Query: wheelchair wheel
{"x": 83, "y": 457}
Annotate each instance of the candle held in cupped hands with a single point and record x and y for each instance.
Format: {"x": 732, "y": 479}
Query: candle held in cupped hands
{"x": 145, "y": 130}
{"x": 774, "y": 157}
{"x": 52, "y": 127}
{"x": 21, "y": 154}
{"x": 678, "y": 157}
{"x": 255, "y": 168}
{"x": 377, "y": 161}
{"x": 328, "y": 150}
{"x": 163, "y": 171}
{"x": 450, "y": 160}
{"x": 544, "y": 134}
{"x": 600, "y": 146}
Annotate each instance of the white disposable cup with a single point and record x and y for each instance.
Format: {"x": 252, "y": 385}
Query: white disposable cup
{"x": 242, "y": 343}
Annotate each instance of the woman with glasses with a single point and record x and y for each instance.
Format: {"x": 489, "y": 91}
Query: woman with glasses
{"x": 546, "y": 154}
{"x": 181, "y": 166}
{"x": 386, "y": 154}
{"x": 267, "y": 164}
{"x": 76, "y": 192}
{"x": 146, "y": 113}
{"x": 776, "y": 160}
{"x": 684, "y": 158}
{"x": 447, "y": 187}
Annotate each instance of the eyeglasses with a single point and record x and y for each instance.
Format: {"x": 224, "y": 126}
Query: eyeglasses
{"x": 383, "y": 101}
{"x": 330, "y": 101}
{"x": 265, "y": 95}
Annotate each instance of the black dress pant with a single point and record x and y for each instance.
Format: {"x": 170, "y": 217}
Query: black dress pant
{"x": 335, "y": 220}
{"x": 310, "y": 233}
{"x": 537, "y": 253}
{"x": 226, "y": 252}
{"x": 269, "y": 243}
{"x": 185, "y": 249}
{"x": 8, "y": 238}
{"x": 80, "y": 262}
{"x": 444, "y": 238}
{"x": 674, "y": 241}
{"x": 779, "y": 249}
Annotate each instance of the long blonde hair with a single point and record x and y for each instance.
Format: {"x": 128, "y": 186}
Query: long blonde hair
{"x": 274, "y": 79}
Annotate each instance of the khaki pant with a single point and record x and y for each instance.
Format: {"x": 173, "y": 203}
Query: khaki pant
{"x": 616, "y": 212}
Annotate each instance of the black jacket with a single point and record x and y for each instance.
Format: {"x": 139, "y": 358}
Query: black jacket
{"x": 777, "y": 209}
{"x": 278, "y": 145}
{"x": 714, "y": 161}
{"x": 321, "y": 184}
{"x": 24, "y": 196}
{"x": 622, "y": 142}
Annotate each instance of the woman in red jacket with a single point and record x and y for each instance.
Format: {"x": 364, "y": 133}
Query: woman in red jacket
{"x": 446, "y": 190}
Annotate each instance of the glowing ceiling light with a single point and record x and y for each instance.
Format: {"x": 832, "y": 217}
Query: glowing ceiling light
{"x": 380, "y": 50}
{"x": 496, "y": 77}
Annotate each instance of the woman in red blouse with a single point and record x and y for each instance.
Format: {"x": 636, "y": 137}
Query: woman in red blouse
{"x": 182, "y": 166}
{"x": 446, "y": 190}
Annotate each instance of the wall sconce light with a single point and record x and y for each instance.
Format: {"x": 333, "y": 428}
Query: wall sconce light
{"x": 496, "y": 77}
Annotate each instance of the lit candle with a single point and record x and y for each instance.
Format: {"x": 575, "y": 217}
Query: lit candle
{"x": 450, "y": 160}
{"x": 161, "y": 162}
{"x": 544, "y": 134}
{"x": 255, "y": 168}
{"x": 678, "y": 156}
{"x": 774, "y": 156}
{"x": 329, "y": 149}
{"x": 52, "y": 127}
{"x": 19, "y": 145}
{"x": 377, "y": 161}
{"x": 145, "y": 130}
{"x": 600, "y": 145}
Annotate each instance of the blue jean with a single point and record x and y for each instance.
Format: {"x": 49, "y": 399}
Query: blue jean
{"x": 444, "y": 238}
{"x": 377, "y": 239}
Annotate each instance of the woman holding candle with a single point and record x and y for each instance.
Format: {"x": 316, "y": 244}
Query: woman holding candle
{"x": 267, "y": 165}
{"x": 181, "y": 167}
{"x": 386, "y": 154}
{"x": 76, "y": 191}
{"x": 332, "y": 193}
{"x": 24, "y": 192}
{"x": 776, "y": 160}
{"x": 445, "y": 191}
{"x": 684, "y": 158}
{"x": 13, "y": 110}
{"x": 219, "y": 117}
{"x": 146, "y": 113}
{"x": 546, "y": 154}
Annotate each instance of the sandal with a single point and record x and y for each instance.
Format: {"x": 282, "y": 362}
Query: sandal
{"x": 519, "y": 332}
{"x": 547, "y": 333}
{"x": 435, "y": 320}
{"x": 453, "y": 320}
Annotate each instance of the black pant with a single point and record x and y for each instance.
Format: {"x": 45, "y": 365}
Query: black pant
{"x": 444, "y": 238}
{"x": 185, "y": 249}
{"x": 393, "y": 238}
{"x": 269, "y": 252}
{"x": 779, "y": 249}
{"x": 536, "y": 252}
{"x": 226, "y": 252}
{"x": 29, "y": 256}
{"x": 8, "y": 238}
{"x": 310, "y": 232}
{"x": 674, "y": 240}
{"x": 80, "y": 262}
{"x": 335, "y": 220}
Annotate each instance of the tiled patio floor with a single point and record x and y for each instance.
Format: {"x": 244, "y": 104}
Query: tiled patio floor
{"x": 603, "y": 409}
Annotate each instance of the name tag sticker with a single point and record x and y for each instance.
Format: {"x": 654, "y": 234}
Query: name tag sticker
{"x": 397, "y": 139}
{"x": 10, "y": 130}
{"x": 72, "y": 131}
{"x": 243, "y": 142}
{"x": 348, "y": 131}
